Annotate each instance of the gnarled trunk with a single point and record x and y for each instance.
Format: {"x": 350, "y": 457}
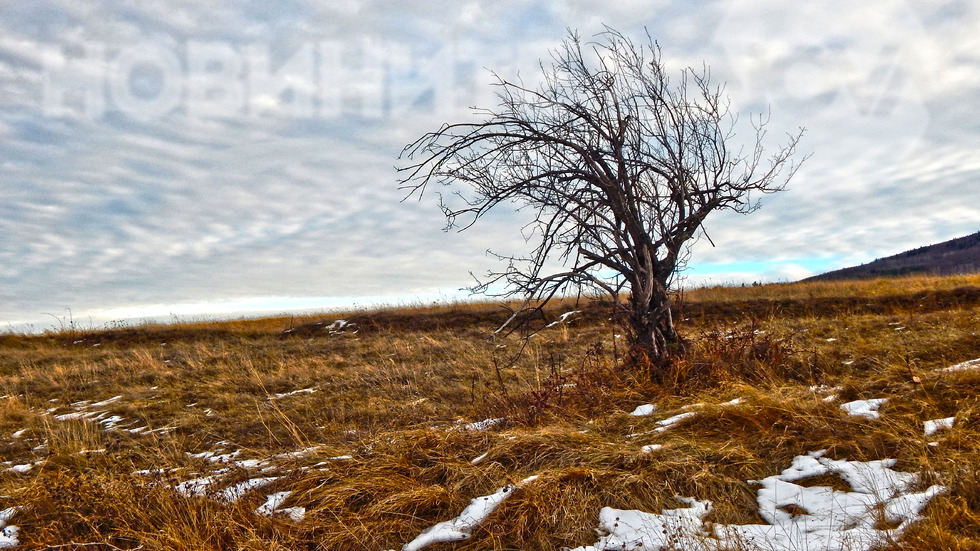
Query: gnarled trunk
{"x": 653, "y": 339}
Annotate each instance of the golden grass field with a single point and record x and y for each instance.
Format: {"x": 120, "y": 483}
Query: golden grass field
{"x": 134, "y": 437}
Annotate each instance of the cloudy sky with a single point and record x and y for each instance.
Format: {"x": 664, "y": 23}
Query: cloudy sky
{"x": 211, "y": 156}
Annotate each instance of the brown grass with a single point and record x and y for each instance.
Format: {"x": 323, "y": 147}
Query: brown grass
{"x": 394, "y": 391}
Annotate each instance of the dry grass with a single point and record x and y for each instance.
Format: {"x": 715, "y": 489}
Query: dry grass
{"x": 379, "y": 409}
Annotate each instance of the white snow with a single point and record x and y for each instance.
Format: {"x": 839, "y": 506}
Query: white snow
{"x": 486, "y": 424}
{"x": 479, "y": 459}
{"x": 339, "y": 326}
{"x": 272, "y": 503}
{"x": 295, "y": 514}
{"x": 645, "y": 410}
{"x": 77, "y": 415}
{"x": 964, "y": 366}
{"x": 293, "y": 393}
{"x": 636, "y": 530}
{"x": 825, "y": 519}
{"x": 234, "y": 493}
{"x": 935, "y": 425}
{"x": 650, "y": 448}
{"x": 110, "y": 422}
{"x": 298, "y": 454}
{"x": 104, "y": 403}
{"x": 864, "y": 408}
{"x": 205, "y": 486}
{"x": 196, "y": 487}
{"x": 671, "y": 421}
{"x": 461, "y": 527}
{"x": 22, "y": 468}
{"x": 563, "y": 318}
{"x": 8, "y": 534}
{"x": 102, "y": 418}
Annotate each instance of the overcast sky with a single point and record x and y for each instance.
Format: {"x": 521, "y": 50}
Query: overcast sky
{"x": 212, "y": 156}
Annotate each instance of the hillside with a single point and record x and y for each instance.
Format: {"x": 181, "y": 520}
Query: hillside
{"x": 956, "y": 256}
{"x": 820, "y": 416}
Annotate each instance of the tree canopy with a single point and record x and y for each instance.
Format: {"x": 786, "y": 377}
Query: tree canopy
{"x": 620, "y": 164}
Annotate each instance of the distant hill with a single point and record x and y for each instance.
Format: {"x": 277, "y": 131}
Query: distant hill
{"x": 956, "y": 256}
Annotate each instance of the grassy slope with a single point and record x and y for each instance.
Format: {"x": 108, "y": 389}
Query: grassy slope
{"x": 389, "y": 394}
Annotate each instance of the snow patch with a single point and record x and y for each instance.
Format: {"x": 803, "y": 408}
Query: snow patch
{"x": 669, "y": 422}
{"x": 104, "y": 403}
{"x": 272, "y": 503}
{"x": 340, "y": 326}
{"x": 645, "y": 410}
{"x": 233, "y": 493}
{"x": 635, "y": 530}
{"x": 8, "y": 534}
{"x": 293, "y": 393}
{"x": 816, "y": 518}
{"x": 461, "y": 527}
{"x": 563, "y": 318}
{"x": 964, "y": 366}
{"x": 486, "y": 424}
{"x": 196, "y": 487}
{"x": 864, "y": 408}
{"x": 480, "y": 459}
{"x": 935, "y": 425}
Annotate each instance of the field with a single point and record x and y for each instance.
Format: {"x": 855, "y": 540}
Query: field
{"x": 363, "y": 430}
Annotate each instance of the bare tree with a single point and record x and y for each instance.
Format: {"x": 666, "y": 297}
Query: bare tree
{"x": 621, "y": 166}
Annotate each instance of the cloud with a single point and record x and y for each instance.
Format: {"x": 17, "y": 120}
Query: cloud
{"x": 113, "y": 206}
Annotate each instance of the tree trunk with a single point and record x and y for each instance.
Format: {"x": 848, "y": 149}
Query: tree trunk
{"x": 653, "y": 340}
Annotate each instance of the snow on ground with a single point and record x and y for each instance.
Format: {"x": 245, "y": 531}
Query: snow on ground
{"x": 273, "y": 505}
{"x": 644, "y": 410}
{"x": 669, "y": 422}
{"x": 461, "y": 527}
{"x": 341, "y": 326}
{"x": 964, "y": 366}
{"x": 635, "y": 530}
{"x": 485, "y": 424}
{"x": 293, "y": 393}
{"x": 563, "y": 318}
{"x": 215, "y": 484}
{"x": 935, "y": 425}
{"x": 22, "y": 468}
{"x": 688, "y": 411}
{"x": 864, "y": 408}
{"x": 8, "y": 534}
{"x": 881, "y": 505}
{"x": 479, "y": 459}
{"x": 799, "y": 517}
{"x": 83, "y": 412}
{"x": 232, "y": 494}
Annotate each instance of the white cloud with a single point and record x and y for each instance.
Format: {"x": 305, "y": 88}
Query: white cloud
{"x": 105, "y": 212}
